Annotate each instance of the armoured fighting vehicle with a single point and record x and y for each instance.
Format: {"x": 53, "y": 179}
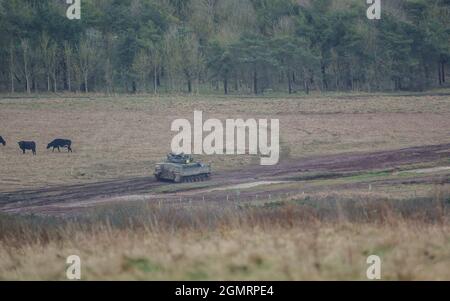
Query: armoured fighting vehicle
{"x": 181, "y": 168}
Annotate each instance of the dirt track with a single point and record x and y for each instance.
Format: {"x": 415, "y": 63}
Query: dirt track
{"x": 40, "y": 200}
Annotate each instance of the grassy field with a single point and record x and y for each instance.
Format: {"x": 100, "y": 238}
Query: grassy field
{"x": 119, "y": 137}
{"x": 305, "y": 237}
{"x": 325, "y": 233}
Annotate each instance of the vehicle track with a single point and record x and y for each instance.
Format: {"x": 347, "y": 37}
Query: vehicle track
{"x": 352, "y": 162}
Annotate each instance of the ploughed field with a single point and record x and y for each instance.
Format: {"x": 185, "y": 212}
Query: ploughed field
{"x": 118, "y": 140}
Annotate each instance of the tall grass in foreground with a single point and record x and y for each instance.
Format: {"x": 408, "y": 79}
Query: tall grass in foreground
{"x": 307, "y": 237}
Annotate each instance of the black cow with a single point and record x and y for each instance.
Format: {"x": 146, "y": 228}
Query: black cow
{"x": 57, "y": 143}
{"x": 2, "y": 141}
{"x": 28, "y": 145}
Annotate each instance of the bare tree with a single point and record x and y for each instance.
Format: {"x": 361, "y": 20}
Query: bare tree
{"x": 86, "y": 60}
{"x": 25, "y": 44}
{"x": 193, "y": 62}
{"x": 12, "y": 66}
{"x": 172, "y": 55}
{"x": 141, "y": 67}
{"x": 53, "y": 55}
{"x": 108, "y": 68}
{"x": 156, "y": 64}
{"x": 68, "y": 52}
{"x": 45, "y": 45}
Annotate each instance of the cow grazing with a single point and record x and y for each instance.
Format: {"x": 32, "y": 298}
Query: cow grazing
{"x": 2, "y": 141}
{"x": 58, "y": 143}
{"x": 28, "y": 145}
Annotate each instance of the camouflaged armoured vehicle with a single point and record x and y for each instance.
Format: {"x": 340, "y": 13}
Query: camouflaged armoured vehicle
{"x": 182, "y": 168}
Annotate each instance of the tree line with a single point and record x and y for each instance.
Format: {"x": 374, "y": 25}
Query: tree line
{"x": 228, "y": 46}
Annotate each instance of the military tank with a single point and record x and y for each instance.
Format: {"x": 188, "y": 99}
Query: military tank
{"x": 180, "y": 168}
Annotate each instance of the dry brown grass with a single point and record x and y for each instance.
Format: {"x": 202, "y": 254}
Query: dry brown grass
{"x": 124, "y": 136}
{"x": 324, "y": 237}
